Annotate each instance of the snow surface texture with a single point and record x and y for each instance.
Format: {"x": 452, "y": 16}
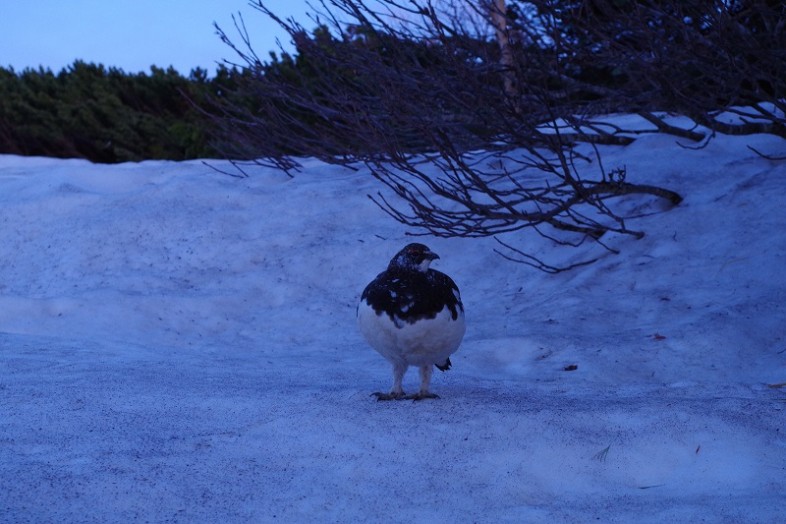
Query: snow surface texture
{"x": 180, "y": 346}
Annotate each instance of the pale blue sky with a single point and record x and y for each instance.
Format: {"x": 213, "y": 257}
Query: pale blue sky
{"x": 131, "y": 34}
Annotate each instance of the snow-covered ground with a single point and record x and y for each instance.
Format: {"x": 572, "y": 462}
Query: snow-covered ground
{"x": 180, "y": 346}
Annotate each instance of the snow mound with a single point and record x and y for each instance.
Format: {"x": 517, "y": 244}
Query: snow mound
{"x": 180, "y": 346}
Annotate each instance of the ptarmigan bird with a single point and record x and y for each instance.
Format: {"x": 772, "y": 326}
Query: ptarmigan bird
{"x": 413, "y": 316}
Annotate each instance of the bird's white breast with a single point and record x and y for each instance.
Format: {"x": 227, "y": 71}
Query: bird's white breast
{"x": 424, "y": 342}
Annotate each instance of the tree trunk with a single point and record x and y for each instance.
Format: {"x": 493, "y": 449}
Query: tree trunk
{"x": 498, "y": 17}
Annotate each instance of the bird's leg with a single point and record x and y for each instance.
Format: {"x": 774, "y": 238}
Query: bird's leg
{"x": 425, "y": 380}
{"x": 397, "y": 392}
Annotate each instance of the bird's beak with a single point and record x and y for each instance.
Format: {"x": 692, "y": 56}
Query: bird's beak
{"x": 431, "y": 255}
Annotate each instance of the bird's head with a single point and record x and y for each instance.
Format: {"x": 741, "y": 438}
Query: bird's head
{"x": 413, "y": 257}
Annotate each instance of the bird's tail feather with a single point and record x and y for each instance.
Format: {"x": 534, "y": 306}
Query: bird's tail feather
{"x": 445, "y": 366}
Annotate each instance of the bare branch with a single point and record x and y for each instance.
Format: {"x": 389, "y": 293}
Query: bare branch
{"x": 476, "y": 122}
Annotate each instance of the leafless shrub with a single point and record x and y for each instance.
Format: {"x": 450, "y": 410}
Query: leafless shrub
{"x": 498, "y": 107}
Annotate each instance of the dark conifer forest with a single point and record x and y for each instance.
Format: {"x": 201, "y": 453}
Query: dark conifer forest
{"x": 358, "y": 88}
{"x": 104, "y": 114}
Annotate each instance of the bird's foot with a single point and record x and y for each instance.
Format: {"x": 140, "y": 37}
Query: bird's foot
{"x": 393, "y": 395}
{"x": 421, "y": 396}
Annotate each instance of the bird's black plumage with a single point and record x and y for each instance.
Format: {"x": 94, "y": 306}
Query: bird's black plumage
{"x": 410, "y": 295}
